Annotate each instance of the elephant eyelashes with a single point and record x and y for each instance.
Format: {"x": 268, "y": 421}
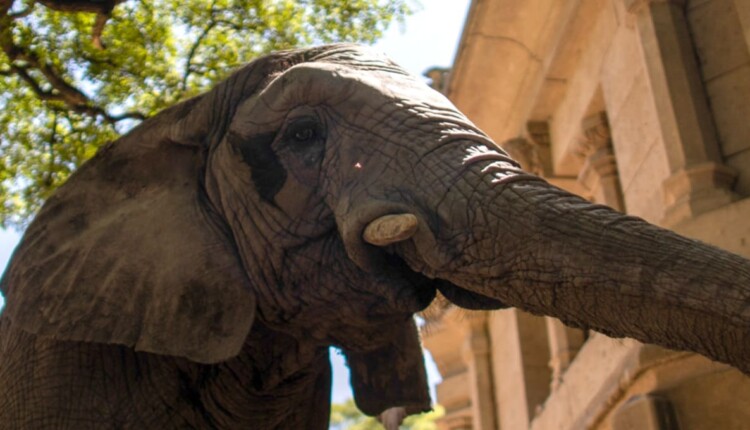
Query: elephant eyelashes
{"x": 303, "y": 132}
{"x": 304, "y": 138}
{"x": 304, "y": 135}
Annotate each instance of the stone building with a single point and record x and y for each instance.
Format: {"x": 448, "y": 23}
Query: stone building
{"x": 642, "y": 105}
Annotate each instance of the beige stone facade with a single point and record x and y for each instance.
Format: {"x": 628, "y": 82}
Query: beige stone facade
{"x": 642, "y": 105}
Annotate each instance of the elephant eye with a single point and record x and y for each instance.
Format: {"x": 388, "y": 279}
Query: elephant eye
{"x": 303, "y": 130}
{"x": 304, "y": 134}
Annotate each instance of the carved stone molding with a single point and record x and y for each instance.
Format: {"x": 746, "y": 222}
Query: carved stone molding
{"x": 526, "y": 153}
{"x": 539, "y": 135}
{"x": 597, "y": 132}
{"x": 599, "y": 173}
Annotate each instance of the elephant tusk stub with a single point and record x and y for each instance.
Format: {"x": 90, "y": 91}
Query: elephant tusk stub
{"x": 392, "y": 418}
{"x": 390, "y": 229}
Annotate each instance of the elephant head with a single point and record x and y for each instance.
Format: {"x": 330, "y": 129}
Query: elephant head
{"x": 328, "y": 194}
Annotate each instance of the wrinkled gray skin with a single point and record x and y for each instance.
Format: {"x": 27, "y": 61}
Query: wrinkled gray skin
{"x": 194, "y": 272}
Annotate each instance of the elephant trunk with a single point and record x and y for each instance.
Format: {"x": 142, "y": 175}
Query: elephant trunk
{"x": 516, "y": 239}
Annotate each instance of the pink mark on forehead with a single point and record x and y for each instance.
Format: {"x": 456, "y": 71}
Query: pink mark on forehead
{"x": 357, "y": 165}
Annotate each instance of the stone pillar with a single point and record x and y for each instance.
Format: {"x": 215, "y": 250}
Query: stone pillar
{"x": 699, "y": 182}
{"x": 476, "y": 353}
{"x": 564, "y": 343}
{"x": 599, "y": 173}
{"x": 520, "y": 352}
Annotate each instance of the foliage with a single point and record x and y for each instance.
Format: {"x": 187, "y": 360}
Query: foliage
{"x": 75, "y": 74}
{"x": 346, "y": 416}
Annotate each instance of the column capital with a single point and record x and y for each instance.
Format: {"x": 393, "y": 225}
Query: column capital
{"x": 597, "y": 134}
{"x": 526, "y": 153}
{"x": 538, "y": 132}
{"x": 599, "y": 172}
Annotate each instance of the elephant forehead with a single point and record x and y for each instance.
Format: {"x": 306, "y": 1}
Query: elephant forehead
{"x": 342, "y": 87}
{"x": 341, "y": 83}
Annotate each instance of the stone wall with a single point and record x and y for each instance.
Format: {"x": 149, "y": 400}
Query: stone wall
{"x": 642, "y": 105}
{"x": 722, "y": 49}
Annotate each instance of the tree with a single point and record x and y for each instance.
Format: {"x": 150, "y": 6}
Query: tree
{"x": 346, "y": 416}
{"x": 75, "y": 74}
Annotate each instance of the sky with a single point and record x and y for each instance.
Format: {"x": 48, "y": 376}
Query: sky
{"x": 428, "y": 38}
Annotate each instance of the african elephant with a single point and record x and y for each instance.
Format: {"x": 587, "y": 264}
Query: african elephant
{"x": 195, "y": 271}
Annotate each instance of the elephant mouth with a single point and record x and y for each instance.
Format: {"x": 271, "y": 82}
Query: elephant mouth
{"x": 421, "y": 288}
{"x": 426, "y": 287}
{"x": 399, "y": 242}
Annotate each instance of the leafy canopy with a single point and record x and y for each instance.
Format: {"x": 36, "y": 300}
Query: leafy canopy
{"x": 75, "y": 74}
{"x": 346, "y": 416}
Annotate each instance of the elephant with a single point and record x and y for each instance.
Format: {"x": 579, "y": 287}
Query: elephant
{"x": 194, "y": 272}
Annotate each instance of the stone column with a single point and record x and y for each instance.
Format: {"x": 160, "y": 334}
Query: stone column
{"x": 476, "y": 353}
{"x": 599, "y": 173}
{"x": 564, "y": 343}
{"x": 699, "y": 182}
{"x": 443, "y": 334}
{"x": 520, "y": 353}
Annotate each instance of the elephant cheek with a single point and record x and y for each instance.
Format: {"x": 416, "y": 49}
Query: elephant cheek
{"x": 298, "y": 199}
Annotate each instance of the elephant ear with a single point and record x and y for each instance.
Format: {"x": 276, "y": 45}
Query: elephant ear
{"x": 391, "y": 376}
{"x": 129, "y": 251}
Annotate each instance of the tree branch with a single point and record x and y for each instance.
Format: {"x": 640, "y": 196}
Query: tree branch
{"x": 40, "y": 93}
{"x": 92, "y": 6}
{"x": 191, "y": 54}
{"x": 61, "y": 90}
{"x": 22, "y": 61}
{"x": 193, "y": 49}
{"x": 96, "y": 32}
{"x": 51, "y": 149}
{"x": 102, "y": 9}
